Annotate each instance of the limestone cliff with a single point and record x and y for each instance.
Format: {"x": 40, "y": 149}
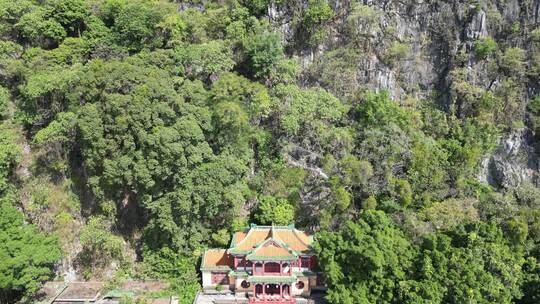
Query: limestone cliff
{"x": 430, "y": 50}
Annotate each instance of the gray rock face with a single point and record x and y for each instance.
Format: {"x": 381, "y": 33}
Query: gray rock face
{"x": 513, "y": 162}
{"x": 478, "y": 26}
{"x": 438, "y": 33}
{"x": 441, "y": 36}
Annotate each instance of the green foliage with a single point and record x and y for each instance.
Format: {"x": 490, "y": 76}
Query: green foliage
{"x": 10, "y": 154}
{"x": 52, "y": 87}
{"x": 365, "y": 261}
{"x": 355, "y": 172}
{"x": 534, "y": 105}
{"x": 474, "y": 263}
{"x": 510, "y": 92}
{"x": 100, "y": 246}
{"x": 179, "y": 270}
{"x": 397, "y": 52}
{"x": 496, "y": 107}
{"x": 49, "y": 24}
{"x": 253, "y": 97}
{"x": 285, "y": 71}
{"x": 417, "y": 155}
{"x": 517, "y": 231}
{"x": 231, "y": 121}
{"x": 173, "y": 30}
{"x": 513, "y": 61}
{"x": 4, "y": 103}
{"x": 200, "y": 61}
{"x": 222, "y": 237}
{"x": 275, "y": 211}
{"x": 379, "y": 109}
{"x": 404, "y": 192}
{"x": 485, "y": 47}
{"x": 337, "y": 73}
{"x": 71, "y": 14}
{"x": 164, "y": 125}
{"x": 60, "y": 131}
{"x": 136, "y": 23}
{"x": 104, "y": 126}
{"x": 281, "y": 181}
{"x": 343, "y": 198}
{"x": 211, "y": 192}
{"x": 307, "y": 110}
{"x": 263, "y": 49}
{"x": 259, "y": 7}
{"x": 315, "y": 17}
{"x": 317, "y": 12}
{"x": 531, "y": 284}
{"x": 27, "y": 257}
{"x": 427, "y": 170}
{"x": 369, "y": 203}
{"x": 35, "y": 27}
{"x": 450, "y": 213}
{"x": 363, "y": 23}
{"x": 469, "y": 263}
{"x": 535, "y": 35}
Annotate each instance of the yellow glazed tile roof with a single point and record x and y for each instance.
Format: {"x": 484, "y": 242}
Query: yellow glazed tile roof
{"x": 217, "y": 258}
{"x": 251, "y": 238}
{"x": 296, "y": 240}
{"x": 272, "y": 250}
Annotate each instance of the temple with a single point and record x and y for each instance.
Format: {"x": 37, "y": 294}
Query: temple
{"x": 268, "y": 264}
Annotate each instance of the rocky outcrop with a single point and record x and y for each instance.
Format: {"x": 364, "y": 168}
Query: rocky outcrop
{"x": 438, "y": 37}
{"x": 512, "y": 163}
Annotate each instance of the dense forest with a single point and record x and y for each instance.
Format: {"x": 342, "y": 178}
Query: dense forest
{"x": 134, "y": 134}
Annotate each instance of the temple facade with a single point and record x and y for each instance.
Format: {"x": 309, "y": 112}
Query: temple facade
{"x": 269, "y": 264}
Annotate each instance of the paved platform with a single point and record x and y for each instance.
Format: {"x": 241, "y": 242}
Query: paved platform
{"x": 228, "y": 298}
{"x": 203, "y": 298}
{"x": 95, "y": 292}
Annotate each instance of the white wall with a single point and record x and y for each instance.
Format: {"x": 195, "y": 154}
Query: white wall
{"x": 207, "y": 279}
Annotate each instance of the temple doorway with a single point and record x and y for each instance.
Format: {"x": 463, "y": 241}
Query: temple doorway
{"x": 272, "y": 289}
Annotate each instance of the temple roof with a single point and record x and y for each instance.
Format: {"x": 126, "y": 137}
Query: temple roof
{"x": 248, "y": 240}
{"x": 217, "y": 259}
{"x": 287, "y": 238}
{"x": 272, "y": 249}
{"x": 259, "y": 243}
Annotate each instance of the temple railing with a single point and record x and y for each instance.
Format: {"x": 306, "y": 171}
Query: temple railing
{"x": 276, "y": 274}
{"x": 253, "y": 300}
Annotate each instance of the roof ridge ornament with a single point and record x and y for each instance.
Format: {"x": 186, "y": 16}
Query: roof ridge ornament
{"x": 272, "y": 231}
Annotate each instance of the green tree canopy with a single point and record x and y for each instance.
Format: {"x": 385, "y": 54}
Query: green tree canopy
{"x": 472, "y": 263}
{"x": 27, "y": 257}
{"x": 274, "y": 211}
{"x": 365, "y": 261}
